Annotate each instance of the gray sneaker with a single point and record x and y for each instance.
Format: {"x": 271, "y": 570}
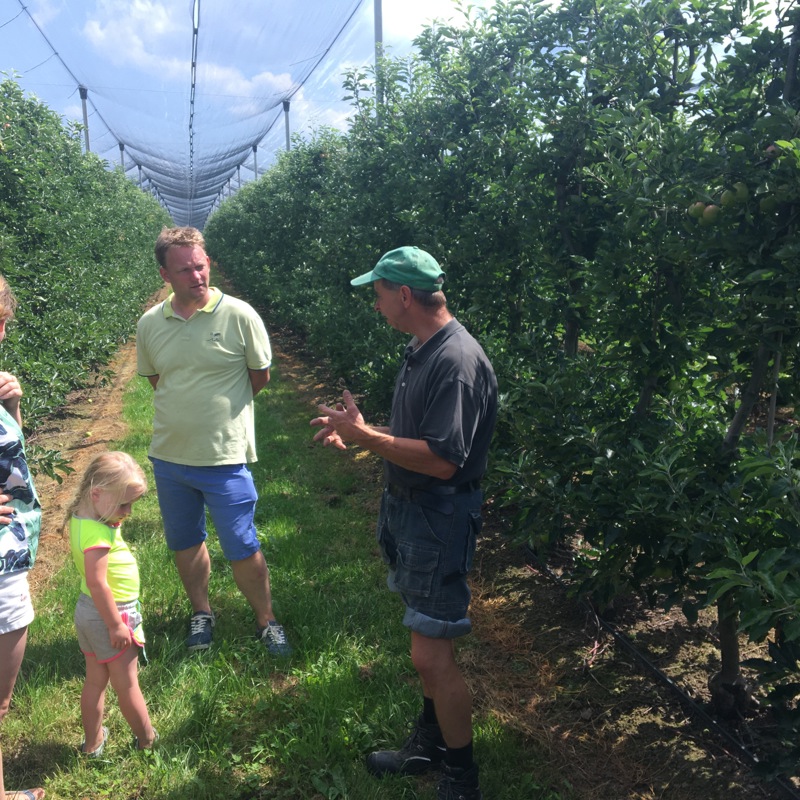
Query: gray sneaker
{"x": 201, "y": 626}
{"x": 273, "y": 637}
{"x": 423, "y": 750}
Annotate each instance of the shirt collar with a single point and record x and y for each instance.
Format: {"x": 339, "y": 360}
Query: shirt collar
{"x": 422, "y": 352}
{"x": 214, "y": 298}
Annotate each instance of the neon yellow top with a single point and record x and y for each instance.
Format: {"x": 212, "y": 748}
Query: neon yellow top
{"x": 123, "y": 572}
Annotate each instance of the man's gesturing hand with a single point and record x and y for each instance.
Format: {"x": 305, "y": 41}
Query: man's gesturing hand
{"x": 339, "y": 425}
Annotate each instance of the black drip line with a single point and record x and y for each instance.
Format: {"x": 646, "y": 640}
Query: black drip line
{"x": 740, "y": 751}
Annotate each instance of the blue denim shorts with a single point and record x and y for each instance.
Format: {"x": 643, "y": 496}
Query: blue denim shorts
{"x": 229, "y": 493}
{"x": 428, "y": 543}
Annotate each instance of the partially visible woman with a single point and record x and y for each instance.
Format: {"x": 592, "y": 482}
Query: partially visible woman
{"x": 20, "y": 522}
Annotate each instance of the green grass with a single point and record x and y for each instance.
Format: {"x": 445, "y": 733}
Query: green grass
{"x": 235, "y": 722}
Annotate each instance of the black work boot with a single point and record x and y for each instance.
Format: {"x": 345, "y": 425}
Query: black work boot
{"x": 459, "y": 784}
{"x": 423, "y": 749}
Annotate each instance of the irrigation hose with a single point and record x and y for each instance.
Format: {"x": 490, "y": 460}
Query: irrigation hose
{"x": 701, "y": 715}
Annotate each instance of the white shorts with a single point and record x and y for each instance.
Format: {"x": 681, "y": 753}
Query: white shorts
{"x": 16, "y": 608}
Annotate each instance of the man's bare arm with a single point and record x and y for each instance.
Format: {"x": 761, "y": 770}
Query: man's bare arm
{"x": 259, "y": 378}
{"x": 346, "y": 424}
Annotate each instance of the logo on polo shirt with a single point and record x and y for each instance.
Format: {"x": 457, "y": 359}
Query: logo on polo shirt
{"x": 216, "y": 336}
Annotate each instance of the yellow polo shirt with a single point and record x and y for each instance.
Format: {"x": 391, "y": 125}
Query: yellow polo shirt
{"x": 204, "y": 400}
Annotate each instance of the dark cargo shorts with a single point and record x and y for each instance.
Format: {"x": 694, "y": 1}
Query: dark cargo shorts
{"x": 428, "y": 542}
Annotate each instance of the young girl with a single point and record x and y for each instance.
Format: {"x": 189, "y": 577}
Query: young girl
{"x": 107, "y": 615}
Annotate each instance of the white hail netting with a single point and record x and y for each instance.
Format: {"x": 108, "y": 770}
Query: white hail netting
{"x": 188, "y": 129}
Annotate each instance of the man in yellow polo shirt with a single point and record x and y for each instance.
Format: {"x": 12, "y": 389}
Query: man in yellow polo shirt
{"x": 207, "y": 355}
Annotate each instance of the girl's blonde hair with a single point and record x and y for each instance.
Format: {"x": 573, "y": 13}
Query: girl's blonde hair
{"x": 8, "y": 302}
{"x": 114, "y": 471}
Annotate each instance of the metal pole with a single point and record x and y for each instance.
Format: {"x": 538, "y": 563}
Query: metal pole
{"x": 378, "y": 14}
{"x": 84, "y": 92}
{"x": 238, "y": 176}
{"x": 255, "y": 160}
{"x": 286, "y": 120}
{"x": 140, "y": 175}
{"x": 122, "y": 155}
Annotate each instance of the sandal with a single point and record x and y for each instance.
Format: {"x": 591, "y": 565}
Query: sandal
{"x": 95, "y": 753}
{"x": 156, "y": 737}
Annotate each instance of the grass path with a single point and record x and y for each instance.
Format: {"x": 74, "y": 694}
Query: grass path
{"x": 234, "y": 722}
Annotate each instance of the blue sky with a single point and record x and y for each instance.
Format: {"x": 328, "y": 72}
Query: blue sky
{"x": 135, "y": 58}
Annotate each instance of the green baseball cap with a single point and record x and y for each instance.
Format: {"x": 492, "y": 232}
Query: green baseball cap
{"x": 408, "y": 266}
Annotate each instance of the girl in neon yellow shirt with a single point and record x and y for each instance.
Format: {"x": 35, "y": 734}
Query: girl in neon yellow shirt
{"x": 107, "y": 616}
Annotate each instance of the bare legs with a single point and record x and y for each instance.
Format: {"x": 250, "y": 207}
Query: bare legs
{"x": 251, "y": 575}
{"x": 442, "y": 681}
{"x": 12, "y": 648}
{"x": 194, "y": 568}
{"x": 122, "y": 673}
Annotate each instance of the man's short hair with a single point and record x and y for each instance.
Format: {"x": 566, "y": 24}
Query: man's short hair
{"x": 177, "y": 237}
{"x": 421, "y": 296}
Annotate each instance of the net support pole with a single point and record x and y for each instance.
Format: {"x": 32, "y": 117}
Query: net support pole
{"x": 286, "y": 122}
{"x": 84, "y": 92}
{"x": 122, "y": 155}
{"x": 140, "y": 175}
{"x": 238, "y": 176}
{"x": 378, "y": 15}
{"x": 255, "y": 160}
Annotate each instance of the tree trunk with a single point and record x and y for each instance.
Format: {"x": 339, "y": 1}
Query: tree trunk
{"x": 749, "y": 398}
{"x": 731, "y": 695}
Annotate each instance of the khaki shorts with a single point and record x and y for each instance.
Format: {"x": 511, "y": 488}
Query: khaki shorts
{"x": 93, "y": 637}
{"x": 16, "y": 609}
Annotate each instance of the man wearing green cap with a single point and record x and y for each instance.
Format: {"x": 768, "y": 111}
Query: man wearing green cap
{"x": 435, "y": 450}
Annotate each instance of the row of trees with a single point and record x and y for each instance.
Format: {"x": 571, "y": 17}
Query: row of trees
{"x": 613, "y": 189}
{"x": 76, "y": 246}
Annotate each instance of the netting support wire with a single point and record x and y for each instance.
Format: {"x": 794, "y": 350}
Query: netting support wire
{"x": 255, "y": 160}
{"x": 84, "y": 92}
{"x": 378, "y": 14}
{"x": 286, "y": 123}
{"x": 195, "y": 35}
{"x": 81, "y": 87}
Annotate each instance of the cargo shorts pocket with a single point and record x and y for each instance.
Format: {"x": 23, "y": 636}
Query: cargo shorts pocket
{"x": 475, "y": 525}
{"x": 415, "y": 568}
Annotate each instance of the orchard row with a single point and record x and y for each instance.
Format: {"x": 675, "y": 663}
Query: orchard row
{"x": 648, "y": 358}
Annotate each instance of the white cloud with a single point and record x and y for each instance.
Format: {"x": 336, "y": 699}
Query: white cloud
{"x": 403, "y": 20}
{"x": 115, "y": 31}
{"x": 225, "y": 80}
{"x": 46, "y": 11}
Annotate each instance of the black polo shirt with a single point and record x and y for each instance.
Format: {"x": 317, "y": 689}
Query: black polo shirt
{"x": 445, "y": 394}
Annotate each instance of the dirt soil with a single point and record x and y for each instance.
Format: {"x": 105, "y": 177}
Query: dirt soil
{"x": 538, "y": 663}
{"x": 89, "y": 422}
